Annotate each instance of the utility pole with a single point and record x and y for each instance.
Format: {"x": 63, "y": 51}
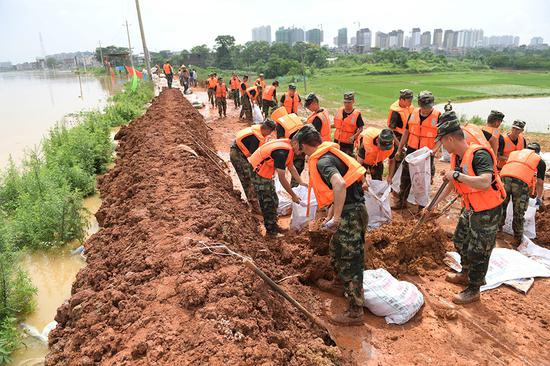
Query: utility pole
{"x": 101, "y": 55}
{"x": 129, "y": 45}
{"x": 145, "y": 49}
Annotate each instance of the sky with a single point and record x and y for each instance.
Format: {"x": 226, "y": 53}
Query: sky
{"x": 79, "y": 25}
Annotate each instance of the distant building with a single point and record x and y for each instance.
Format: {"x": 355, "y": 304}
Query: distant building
{"x": 415, "y": 38}
{"x": 535, "y": 41}
{"x": 363, "y": 40}
{"x": 6, "y": 66}
{"x": 395, "y": 39}
{"x": 289, "y": 35}
{"x": 381, "y": 40}
{"x": 426, "y": 39}
{"x": 314, "y": 36}
{"x": 469, "y": 38}
{"x": 438, "y": 38}
{"x": 342, "y": 38}
{"x": 449, "y": 39}
{"x": 262, "y": 33}
{"x": 501, "y": 41}
{"x": 353, "y": 41}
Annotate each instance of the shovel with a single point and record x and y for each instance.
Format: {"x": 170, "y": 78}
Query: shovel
{"x": 327, "y": 337}
{"x": 429, "y": 207}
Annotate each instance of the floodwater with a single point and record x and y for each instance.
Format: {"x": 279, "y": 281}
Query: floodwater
{"x": 32, "y": 102}
{"x": 534, "y": 111}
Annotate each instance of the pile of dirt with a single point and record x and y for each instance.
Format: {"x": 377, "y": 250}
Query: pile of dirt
{"x": 151, "y": 294}
{"x": 542, "y": 221}
{"x": 396, "y": 248}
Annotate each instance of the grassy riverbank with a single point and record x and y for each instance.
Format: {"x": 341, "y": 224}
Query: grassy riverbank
{"x": 41, "y": 200}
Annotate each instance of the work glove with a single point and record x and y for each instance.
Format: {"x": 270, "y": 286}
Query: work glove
{"x": 539, "y": 202}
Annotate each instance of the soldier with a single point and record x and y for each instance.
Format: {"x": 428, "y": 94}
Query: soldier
{"x": 211, "y": 83}
{"x": 348, "y": 124}
{"x": 512, "y": 141}
{"x": 375, "y": 146}
{"x": 399, "y": 113}
{"x": 521, "y": 175}
{"x": 492, "y": 130}
{"x": 235, "y": 84}
{"x": 291, "y": 99}
{"x": 250, "y": 96}
{"x": 338, "y": 181}
{"x": 473, "y": 174}
{"x": 269, "y": 98}
{"x": 420, "y": 131}
{"x": 287, "y": 126}
{"x": 273, "y": 156}
{"x": 246, "y": 142}
{"x": 220, "y": 91}
{"x": 319, "y": 117}
{"x": 260, "y": 83}
{"x": 243, "y": 87}
{"x": 541, "y": 174}
{"x": 169, "y": 73}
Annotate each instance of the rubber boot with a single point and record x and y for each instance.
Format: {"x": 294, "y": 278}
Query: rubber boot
{"x": 469, "y": 295}
{"x": 460, "y": 278}
{"x": 352, "y": 316}
{"x": 334, "y": 287}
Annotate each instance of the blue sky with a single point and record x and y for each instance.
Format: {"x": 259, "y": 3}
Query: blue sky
{"x": 70, "y": 25}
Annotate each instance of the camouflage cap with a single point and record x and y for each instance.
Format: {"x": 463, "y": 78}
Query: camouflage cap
{"x": 310, "y": 98}
{"x": 495, "y": 116}
{"x": 385, "y": 139}
{"x": 349, "y": 97}
{"x": 406, "y": 94}
{"x": 292, "y": 86}
{"x": 519, "y": 124}
{"x": 426, "y": 98}
{"x": 448, "y": 123}
{"x": 534, "y": 146}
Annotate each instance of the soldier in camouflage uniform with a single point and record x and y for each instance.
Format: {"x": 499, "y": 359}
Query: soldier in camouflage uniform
{"x": 518, "y": 192}
{"x": 347, "y": 219}
{"x": 474, "y": 175}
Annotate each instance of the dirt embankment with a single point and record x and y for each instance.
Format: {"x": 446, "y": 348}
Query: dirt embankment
{"x": 149, "y": 295}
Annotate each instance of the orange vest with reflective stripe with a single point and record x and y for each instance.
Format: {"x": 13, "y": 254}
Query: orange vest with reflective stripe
{"x": 325, "y": 123}
{"x": 522, "y": 165}
{"x": 268, "y": 92}
{"x": 250, "y": 96}
{"x": 259, "y": 82}
{"x": 474, "y": 135}
{"x": 221, "y": 90}
{"x": 494, "y": 131}
{"x": 255, "y": 130}
{"x": 290, "y": 123}
{"x": 323, "y": 194}
{"x": 167, "y": 69}
{"x": 345, "y": 127}
{"x": 424, "y": 134}
{"x": 262, "y": 162}
{"x": 212, "y": 82}
{"x": 404, "y": 112}
{"x": 509, "y": 146}
{"x": 473, "y": 198}
{"x": 291, "y": 103}
{"x": 235, "y": 83}
{"x": 373, "y": 153}
{"x": 278, "y": 113}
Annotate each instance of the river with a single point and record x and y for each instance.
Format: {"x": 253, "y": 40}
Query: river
{"x": 31, "y": 103}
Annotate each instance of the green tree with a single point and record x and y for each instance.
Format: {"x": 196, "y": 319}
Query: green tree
{"x": 51, "y": 62}
{"x": 223, "y": 47}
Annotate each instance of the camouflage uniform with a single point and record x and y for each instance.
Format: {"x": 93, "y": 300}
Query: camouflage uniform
{"x": 519, "y": 192}
{"x": 347, "y": 251}
{"x": 269, "y": 201}
{"x": 405, "y": 184}
{"x": 299, "y": 163}
{"x": 211, "y": 97}
{"x": 474, "y": 239}
{"x": 236, "y": 97}
{"x": 266, "y": 105}
{"x": 376, "y": 171}
{"x": 244, "y": 171}
{"x": 221, "y": 102}
{"x": 246, "y": 108}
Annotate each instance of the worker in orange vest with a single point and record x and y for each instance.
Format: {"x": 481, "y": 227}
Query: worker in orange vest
{"x": 246, "y": 110}
{"x": 511, "y": 141}
{"x": 286, "y": 127}
{"x": 260, "y": 83}
{"x": 211, "y": 83}
{"x": 246, "y": 142}
{"x": 319, "y": 117}
{"x": 348, "y": 124}
{"x": 375, "y": 146}
{"x": 273, "y": 157}
{"x": 541, "y": 174}
{"x": 169, "y": 73}
{"x": 521, "y": 175}
{"x": 420, "y": 131}
{"x": 473, "y": 174}
{"x": 399, "y": 113}
{"x": 235, "y": 85}
{"x": 492, "y": 130}
{"x": 338, "y": 181}
{"x": 291, "y": 99}
{"x": 220, "y": 91}
{"x": 269, "y": 97}
{"x": 252, "y": 96}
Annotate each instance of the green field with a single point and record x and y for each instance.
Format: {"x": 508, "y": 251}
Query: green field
{"x": 375, "y": 93}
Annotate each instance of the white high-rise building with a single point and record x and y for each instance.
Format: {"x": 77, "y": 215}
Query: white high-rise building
{"x": 363, "y": 39}
{"x": 262, "y": 33}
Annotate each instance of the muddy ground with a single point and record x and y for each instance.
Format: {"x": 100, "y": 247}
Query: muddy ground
{"x": 151, "y": 294}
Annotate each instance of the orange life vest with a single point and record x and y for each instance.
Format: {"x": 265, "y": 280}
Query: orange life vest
{"x": 474, "y": 135}
{"x": 323, "y": 194}
{"x": 250, "y": 96}
{"x": 235, "y": 83}
{"x": 522, "y": 165}
{"x": 278, "y": 113}
{"x": 509, "y": 146}
{"x": 245, "y": 86}
{"x": 221, "y": 90}
{"x": 325, "y": 123}
{"x": 404, "y": 112}
{"x": 291, "y": 103}
{"x": 268, "y": 92}
{"x": 345, "y": 127}
{"x": 255, "y": 130}
{"x": 373, "y": 153}
{"x": 212, "y": 82}
{"x": 494, "y": 131}
{"x": 167, "y": 69}
{"x": 290, "y": 123}
{"x": 262, "y": 162}
{"x": 424, "y": 134}
{"x": 473, "y": 198}
{"x": 259, "y": 82}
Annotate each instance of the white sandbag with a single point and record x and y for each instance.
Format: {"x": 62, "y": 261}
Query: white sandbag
{"x": 299, "y": 216}
{"x": 420, "y": 171}
{"x": 535, "y": 252}
{"x": 396, "y": 180}
{"x": 397, "y": 301}
{"x": 285, "y": 202}
{"x": 377, "y": 200}
{"x": 257, "y": 117}
{"x": 529, "y": 227}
